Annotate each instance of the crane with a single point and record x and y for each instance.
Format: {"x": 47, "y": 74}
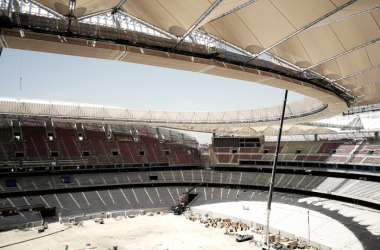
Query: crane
{"x": 180, "y": 207}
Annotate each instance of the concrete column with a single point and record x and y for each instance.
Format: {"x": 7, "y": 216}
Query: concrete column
{"x": 376, "y": 135}
{"x": 315, "y": 137}
{"x": 107, "y": 129}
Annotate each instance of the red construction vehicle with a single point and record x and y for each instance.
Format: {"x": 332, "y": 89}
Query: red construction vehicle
{"x": 183, "y": 201}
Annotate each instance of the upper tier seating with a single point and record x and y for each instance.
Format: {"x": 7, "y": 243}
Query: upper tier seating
{"x": 337, "y": 159}
{"x": 317, "y": 158}
{"x": 5, "y": 136}
{"x": 121, "y": 133}
{"x": 18, "y": 145}
{"x": 139, "y": 145}
{"x": 372, "y": 160}
{"x": 361, "y": 152}
{"x": 96, "y": 137}
{"x": 223, "y": 158}
{"x": 179, "y": 155}
{"x": 310, "y": 147}
{"x": 145, "y": 131}
{"x": 356, "y": 159}
{"x": 52, "y": 145}
{"x": 66, "y": 136}
{"x": 35, "y": 135}
{"x": 165, "y": 146}
{"x": 272, "y": 150}
{"x": 84, "y": 145}
{"x": 301, "y": 157}
{"x": 222, "y": 150}
{"x": 128, "y": 153}
{"x": 112, "y": 144}
{"x": 238, "y": 157}
{"x": 345, "y": 148}
{"x": 249, "y": 150}
{"x": 154, "y": 151}
{"x": 327, "y": 147}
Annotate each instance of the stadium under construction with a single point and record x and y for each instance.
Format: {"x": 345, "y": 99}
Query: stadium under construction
{"x": 306, "y": 171}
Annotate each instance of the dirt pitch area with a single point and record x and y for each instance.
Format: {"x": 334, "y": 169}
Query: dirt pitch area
{"x": 157, "y": 232}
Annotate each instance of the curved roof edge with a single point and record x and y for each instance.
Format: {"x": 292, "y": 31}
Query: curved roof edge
{"x": 242, "y": 122}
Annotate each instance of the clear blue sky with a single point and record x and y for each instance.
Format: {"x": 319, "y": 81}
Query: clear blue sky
{"x": 128, "y": 85}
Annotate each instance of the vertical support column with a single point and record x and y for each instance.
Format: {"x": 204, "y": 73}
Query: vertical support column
{"x": 376, "y": 135}
{"x": 271, "y": 187}
{"x": 10, "y": 8}
{"x": 107, "y": 128}
{"x": 116, "y": 20}
{"x": 315, "y": 137}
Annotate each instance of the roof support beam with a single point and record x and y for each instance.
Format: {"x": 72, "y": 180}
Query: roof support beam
{"x": 342, "y": 88}
{"x": 46, "y": 8}
{"x": 233, "y": 10}
{"x": 346, "y": 17}
{"x": 94, "y": 14}
{"x": 72, "y": 8}
{"x": 71, "y": 13}
{"x": 194, "y": 26}
{"x": 305, "y": 28}
{"x": 120, "y": 4}
{"x": 226, "y": 43}
{"x": 357, "y": 73}
{"x": 368, "y": 94}
{"x": 377, "y": 98}
{"x": 344, "y": 53}
{"x": 151, "y": 26}
{"x": 365, "y": 86}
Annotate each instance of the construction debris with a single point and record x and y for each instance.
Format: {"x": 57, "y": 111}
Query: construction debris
{"x": 99, "y": 220}
{"x": 119, "y": 218}
{"x": 233, "y": 228}
{"x": 41, "y": 229}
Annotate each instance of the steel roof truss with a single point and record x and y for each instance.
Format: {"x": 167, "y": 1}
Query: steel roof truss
{"x": 306, "y": 27}
{"x": 151, "y": 26}
{"x": 192, "y": 28}
{"x": 357, "y": 73}
{"x": 344, "y": 53}
{"x": 346, "y": 17}
{"x": 46, "y": 8}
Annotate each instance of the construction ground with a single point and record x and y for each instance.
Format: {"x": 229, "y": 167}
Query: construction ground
{"x": 157, "y": 232}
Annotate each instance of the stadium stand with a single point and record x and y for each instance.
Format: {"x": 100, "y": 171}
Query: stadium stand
{"x": 356, "y": 159}
{"x": 222, "y": 150}
{"x": 6, "y": 152}
{"x": 18, "y": 146}
{"x": 96, "y": 137}
{"x": 345, "y": 148}
{"x": 238, "y": 157}
{"x": 67, "y": 139}
{"x": 128, "y": 153}
{"x": 372, "y": 160}
{"x": 355, "y": 189}
{"x": 249, "y": 150}
{"x": 337, "y": 159}
{"x": 153, "y": 147}
{"x": 272, "y": 150}
{"x": 223, "y": 158}
{"x": 35, "y": 136}
{"x": 327, "y": 147}
{"x": 52, "y": 145}
{"x": 164, "y": 147}
{"x": 179, "y": 155}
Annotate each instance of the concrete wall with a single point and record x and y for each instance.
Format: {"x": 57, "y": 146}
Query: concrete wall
{"x": 111, "y": 215}
{"x": 20, "y": 226}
